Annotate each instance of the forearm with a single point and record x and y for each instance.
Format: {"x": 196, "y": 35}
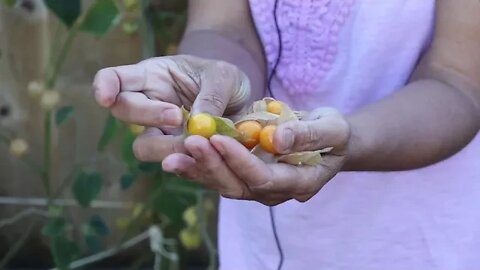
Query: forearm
{"x": 213, "y": 45}
{"x": 423, "y": 123}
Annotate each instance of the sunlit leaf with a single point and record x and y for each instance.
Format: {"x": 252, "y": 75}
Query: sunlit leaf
{"x": 225, "y": 127}
{"x": 101, "y": 17}
{"x": 66, "y": 10}
{"x": 86, "y": 187}
{"x": 63, "y": 114}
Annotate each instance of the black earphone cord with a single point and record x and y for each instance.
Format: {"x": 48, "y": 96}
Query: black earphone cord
{"x": 270, "y": 78}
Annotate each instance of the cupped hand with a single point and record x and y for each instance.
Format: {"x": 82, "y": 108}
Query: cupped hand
{"x": 223, "y": 164}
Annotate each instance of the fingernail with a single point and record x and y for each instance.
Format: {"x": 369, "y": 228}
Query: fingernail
{"x": 219, "y": 148}
{"x": 172, "y": 117}
{"x": 287, "y": 140}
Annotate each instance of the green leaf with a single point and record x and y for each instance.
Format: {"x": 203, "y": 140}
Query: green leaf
{"x": 98, "y": 226}
{"x": 149, "y": 167}
{"x": 127, "y": 180}
{"x": 225, "y": 127}
{"x": 127, "y": 149}
{"x": 54, "y": 227}
{"x": 109, "y": 130}
{"x": 173, "y": 203}
{"x": 101, "y": 17}
{"x": 93, "y": 231}
{"x": 66, "y": 11}
{"x": 63, "y": 114}
{"x": 9, "y": 3}
{"x": 93, "y": 243}
{"x": 64, "y": 252}
{"x": 86, "y": 187}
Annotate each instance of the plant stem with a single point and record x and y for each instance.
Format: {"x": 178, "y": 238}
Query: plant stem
{"x": 47, "y": 151}
{"x": 13, "y": 250}
{"x": 212, "y": 252}
{"x": 52, "y": 74}
{"x": 62, "y": 55}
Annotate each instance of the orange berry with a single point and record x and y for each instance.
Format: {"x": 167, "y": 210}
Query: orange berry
{"x": 202, "y": 124}
{"x": 249, "y": 133}
{"x": 266, "y": 139}
{"x": 275, "y": 107}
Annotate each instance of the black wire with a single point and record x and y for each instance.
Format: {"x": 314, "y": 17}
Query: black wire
{"x": 280, "y": 49}
{"x": 277, "y": 239}
{"x": 269, "y": 85}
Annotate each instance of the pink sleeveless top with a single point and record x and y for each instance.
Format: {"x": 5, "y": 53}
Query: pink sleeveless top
{"x": 347, "y": 54}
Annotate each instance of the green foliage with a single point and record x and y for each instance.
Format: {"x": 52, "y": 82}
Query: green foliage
{"x": 9, "y": 3}
{"x": 127, "y": 181}
{"x": 169, "y": 195}
{"x": 86, "y": 187}
{"x": 63, "y": 114}
{"x": 127, "y": 151}
{"x": 97, "y": 226}
{"x": 64, "y": 251}
{"x": 109, "y": 131}
{"x": 101, "y": 17}
{"x": 55, "y": 227}
{"x": 93, "y": 231}
{"x": 66, "y": 11}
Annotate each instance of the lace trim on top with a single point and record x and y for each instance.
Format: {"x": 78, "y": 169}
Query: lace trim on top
{"x": 310, "y": 36}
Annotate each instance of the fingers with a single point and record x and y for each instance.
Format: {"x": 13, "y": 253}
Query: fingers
{"x": 245, "y": 165}
{"x": 330, "y": 130}
{"x": 135, "y": 107}
{"x": 153, "y": 77}
{"x": 271, "y": 183}
{"x": 154, "y": 146}
{"x": 218, "y": 83}
{"x": 207, "y": 168}
{"x": 109, "y": 82}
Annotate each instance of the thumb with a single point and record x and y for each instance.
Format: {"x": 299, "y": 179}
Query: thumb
{"x": 220, "y": 85}
{"x": 297, "y": 136}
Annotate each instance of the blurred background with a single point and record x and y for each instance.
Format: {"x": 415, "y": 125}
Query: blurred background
{"x": 72, "y": 195}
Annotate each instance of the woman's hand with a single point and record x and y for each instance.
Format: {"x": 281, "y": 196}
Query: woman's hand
{"x": 223, "y": 164}
{"x": 151, "y": 93}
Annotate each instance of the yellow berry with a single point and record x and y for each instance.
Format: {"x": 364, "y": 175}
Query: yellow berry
{"x": 266, "y": 139}
{"x": 275, "y": 107}
{"x": 18, "y": 147}
{"x": 190, "y": 238}
{"x": 190, "y": 216}
{"x": 136, "y": 129}
{"x": 249, "y": 133}
{"x": 202, "y": 124}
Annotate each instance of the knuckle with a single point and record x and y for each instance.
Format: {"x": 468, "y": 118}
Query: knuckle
{"x": 309, "y": 138}
{"x": 214, "y": 100}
